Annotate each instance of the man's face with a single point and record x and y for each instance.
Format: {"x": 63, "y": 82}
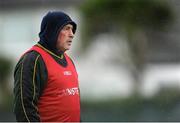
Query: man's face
{"x": 65, "y": 38}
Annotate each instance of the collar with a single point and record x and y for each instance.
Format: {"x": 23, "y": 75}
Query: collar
{"x": 60, "y": 57}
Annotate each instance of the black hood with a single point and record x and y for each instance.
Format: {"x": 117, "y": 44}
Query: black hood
{"x": 51, "y": 25}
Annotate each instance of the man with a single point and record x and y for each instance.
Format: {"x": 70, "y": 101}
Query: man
{"x": 45, "y": 79}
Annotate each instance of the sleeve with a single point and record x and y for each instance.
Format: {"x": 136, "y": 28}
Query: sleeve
{"x": 30, "y": 77}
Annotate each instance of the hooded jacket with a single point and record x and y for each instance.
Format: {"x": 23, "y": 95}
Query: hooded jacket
{"x": 30, "y": 74}
{"x": 51, "y": 25}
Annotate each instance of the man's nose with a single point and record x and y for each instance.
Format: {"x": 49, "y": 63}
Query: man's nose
{"x": 71, "y": 34}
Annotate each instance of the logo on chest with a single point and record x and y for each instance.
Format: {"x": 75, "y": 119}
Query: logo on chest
{"x": 67, "y": 73}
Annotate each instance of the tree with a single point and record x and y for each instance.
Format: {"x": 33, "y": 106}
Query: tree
{"x": 131, "y": 17}
{"x": 5, "y": 68}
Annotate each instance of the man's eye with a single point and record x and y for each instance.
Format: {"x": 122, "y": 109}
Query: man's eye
{"x": 67, "y": 28}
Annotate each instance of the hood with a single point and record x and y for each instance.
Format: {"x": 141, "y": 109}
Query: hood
{"x": 51, "y": 25}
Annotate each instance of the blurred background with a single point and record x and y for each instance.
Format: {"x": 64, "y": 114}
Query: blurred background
{"x": 126, "y": 53}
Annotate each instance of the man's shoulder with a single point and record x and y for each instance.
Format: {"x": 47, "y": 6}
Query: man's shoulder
{"x": 28, "y": 59}
{"x": 30, "y": 56}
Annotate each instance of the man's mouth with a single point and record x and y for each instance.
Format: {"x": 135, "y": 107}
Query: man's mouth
{"x": 69, "y": 42}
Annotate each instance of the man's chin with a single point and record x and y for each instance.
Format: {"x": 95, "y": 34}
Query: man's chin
{"x": 67, "y": 49}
